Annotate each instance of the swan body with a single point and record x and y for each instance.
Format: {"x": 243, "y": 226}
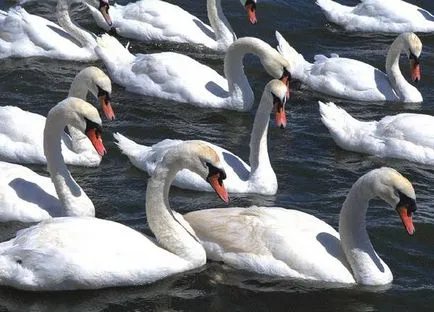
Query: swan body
{"x": 26, "y": 35}
{"x": 290, "y": 243}
{"x": 164, "y": 74}
{"x": 155, "y": 21}
{"x": 28, "y": 197}
{"x": 405, "y": 136}
{"x": 392, "y": 16}
{"x": 354, "y": 80}
{"x": 22, "y": 132}
{"x": 240, "y": 177}
{"x": 86, "y": 253}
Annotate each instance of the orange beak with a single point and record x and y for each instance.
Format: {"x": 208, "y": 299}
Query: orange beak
{"x": 218, "y": 186}
{"x": 104, "y": 8}
{"x": 406, "y": 219}
{"x": 106, "y": 106}
{"x": 415, "y": 70}
{"x": 95, "y": 137}
{"x": 251, "y": 11}
{"x": 279, "y": 109}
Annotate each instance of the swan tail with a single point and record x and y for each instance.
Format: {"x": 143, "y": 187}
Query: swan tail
{"x": 342, "y": 126}
{"x": 135, "y": 152}
{"x": 329, "y": 6}
{"x": 112, "y": 52}
{"x": 295, "y": 59}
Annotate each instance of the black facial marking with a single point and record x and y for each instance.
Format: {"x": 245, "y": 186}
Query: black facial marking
{"x": 105, "y": 5}
{"x": 252, "y": 3}
{"x": 102, "y": 92}
{"x": 212, "y": 170}
{"x": 92, "y": 125}
{"x": 414, "y": 58}
{"x": 406, "y": 202}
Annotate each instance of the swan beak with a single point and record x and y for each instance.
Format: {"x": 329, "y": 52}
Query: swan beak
{"x": 106, "y": 106}
{"x": 251, "y": 11}
{"x": 406, "y": 219}
{"x": 215, "y": 179}
{"x": 94, "y": 136}
{"x": 104, "y": 8}
{"x": 279, "y": 109}
{"x": 415, "y": 70}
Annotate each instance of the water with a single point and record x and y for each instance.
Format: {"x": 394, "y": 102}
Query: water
{"x": 314, "y": 174}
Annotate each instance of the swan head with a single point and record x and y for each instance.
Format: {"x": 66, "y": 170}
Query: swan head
{"x": 277, "y": 66}
{"x": 83, "y": 116}
{"x": 200, "y": 158}
{"x": 413, "y": 48}
{"x": 100, "y": 86}
{"x": 250, "y": 6}
{"x": 102, "y": 5}
{"x": 279, "y": 93}
{"x": 398, "y": 192}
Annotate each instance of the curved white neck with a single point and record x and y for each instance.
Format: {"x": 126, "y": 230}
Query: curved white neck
{"x": 367, "y": 266}
{"x": 240, "y": 92}
{"x": 259, "y": 159}
{"x": 169, "y": 232}
{"x": 224, "y": 35}
{"x": 64, "y": 20}
{"x": 79, "y": 89}
{"x": 402, "y": 87}
{"x": 74, "y": 200}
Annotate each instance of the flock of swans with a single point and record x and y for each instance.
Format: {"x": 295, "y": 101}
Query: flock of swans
{"x": 71, "y": 249}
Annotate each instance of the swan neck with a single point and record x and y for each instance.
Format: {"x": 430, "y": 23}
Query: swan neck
{"x": 170, "y": 234}
{"x": 238, "y": 85}
{"x": 367, "y": 266}
{"x": 396, "y": 79}
{"x": 64, "y": 20}
{"x": 259, "y": 159}
{"x": 74, "y": 201}
{"x": 80, "y": 86}
{"x": 223, "y": 31}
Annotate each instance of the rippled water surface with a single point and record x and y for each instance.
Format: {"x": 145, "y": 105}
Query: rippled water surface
{"x": 314, "y": 174}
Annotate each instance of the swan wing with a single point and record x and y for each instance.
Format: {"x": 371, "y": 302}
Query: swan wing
{"x": 167, "y": 75}
{"x": 72, "y": 253}
{"x": 25, "y": 195}
{"x": 154, "y": 20}
{"x": 271, "y": 240}
{"x": 414, "y": 128}
{"x": 348, "y": 78}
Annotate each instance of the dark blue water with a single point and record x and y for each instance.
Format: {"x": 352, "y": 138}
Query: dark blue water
{"x": 314, "y": 174}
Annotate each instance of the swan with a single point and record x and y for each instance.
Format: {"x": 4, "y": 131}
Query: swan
{"x": 21, "y": 132}
{"x": 155, "y": 20}
{"x": 393, "y": 16}
{"x": 25, "y": 35}
{"x": 354, "y": 80}
{"x": 29, "y": 197}
{"x": 241, "y": 178}
{"x": 87, "y": 253}
{"x": 166, "y": 75}
{"x": 405, "y": 136}
{"x": 290, "y": 243}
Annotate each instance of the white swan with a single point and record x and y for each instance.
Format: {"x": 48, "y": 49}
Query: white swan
{"x": 405, "y": 136}
{"x": 354, "y": 80}
{"x": 168, "y": 75}
{"x": 82, "y": 253}
{"x": 155, "y": 20}
{"x": 393, "y": 16}
{"x": 25, "y": 35}
{"x": 21, "y": 132}
{"x": 241, "y": 178}
{"x": 29, "y": 197}
{"x": 283, "y": 242}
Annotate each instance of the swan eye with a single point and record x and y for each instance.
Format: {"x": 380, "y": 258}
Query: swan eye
{"x": 104, "y": 93}
{"x": 413, "y": 57}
